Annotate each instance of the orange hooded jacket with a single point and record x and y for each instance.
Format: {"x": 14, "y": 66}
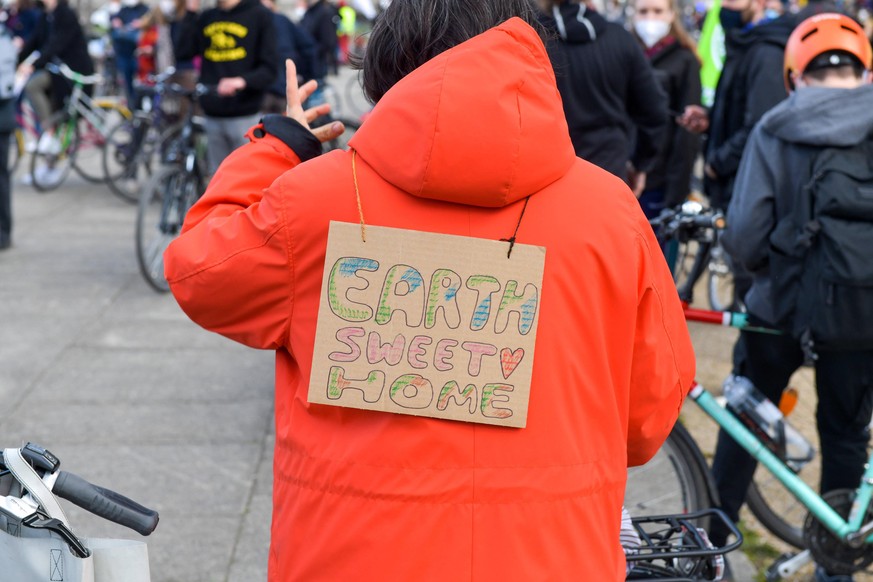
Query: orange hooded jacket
{"x": 453, "y": 148}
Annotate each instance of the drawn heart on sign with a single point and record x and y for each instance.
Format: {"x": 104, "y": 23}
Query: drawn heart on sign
{"x": 509, "y": 361}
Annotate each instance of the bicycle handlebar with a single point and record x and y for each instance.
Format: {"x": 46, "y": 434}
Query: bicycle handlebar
{"x": 198, "y": 91}
{"x": 98, "y": 500}
{"x": 106, "y": 503}
{"x": 72, "y": 75}
{"x": 687, "y": 219}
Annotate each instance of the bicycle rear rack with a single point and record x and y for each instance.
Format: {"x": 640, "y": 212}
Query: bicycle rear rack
{"x": 676, "y": 548}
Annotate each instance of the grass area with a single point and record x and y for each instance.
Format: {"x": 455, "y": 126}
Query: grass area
{"x": 758, "y": 551}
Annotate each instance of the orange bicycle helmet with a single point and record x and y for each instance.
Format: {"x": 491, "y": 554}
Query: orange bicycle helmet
{"x": 824, "y": 33}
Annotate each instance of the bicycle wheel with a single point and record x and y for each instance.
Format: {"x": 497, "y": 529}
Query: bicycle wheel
{"x": 88, "y": 161}
{"x": 691, "y": 262}
{"x": 720, "y": 281}
{"x": 776, "y": 508}
{"x": 354, "y": 96}
{"x": 672, "y": 482}
{"x": 163, "y": 204}
{"x": 16, "y": 149}
{"x": 56, "y": 150}
{"x": 342, "y": 141}
{"x": 128, "y": 157}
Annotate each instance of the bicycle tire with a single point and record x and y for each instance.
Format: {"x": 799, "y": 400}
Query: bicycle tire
{"x": 88, "y": 161}
{"x": 672, "y": 482}
{"x": 692, "y": 261}
{"x": 776, "y": 508}
{"x": 720, "y": 281}
{"x": 16, "y": 149}
{"x": 353, "y": 95}
{"x": 55, "y": 153}
{"x": 128, "y": 157}
{"x": 163, "y": 204}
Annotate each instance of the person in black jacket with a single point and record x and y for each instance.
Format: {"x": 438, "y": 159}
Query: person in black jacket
{"x": 673, "y": 55}
{"x": 615, "y": 109}
{"x": 237, "y": 41}
{"x": 750, "y": 85}
{"x": 7, "y": 125}
{"x": 58, "y": 37}
{"x": 320, "y": 21}
{"x": 292, "y": 42}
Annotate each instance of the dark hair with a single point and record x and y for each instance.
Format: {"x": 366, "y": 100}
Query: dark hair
{"x": 408, "y": 33}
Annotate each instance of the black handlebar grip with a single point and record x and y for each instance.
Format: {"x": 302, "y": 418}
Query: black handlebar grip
{"x": 709, "y": 221}
{"x": 105, "y": 503}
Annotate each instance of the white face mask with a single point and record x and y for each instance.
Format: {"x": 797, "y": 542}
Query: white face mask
{"x": 168, "y": 7}
{"x": 651, "y": 30}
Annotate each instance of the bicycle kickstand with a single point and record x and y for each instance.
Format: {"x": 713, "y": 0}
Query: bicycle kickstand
{"x": 787, "y": 565}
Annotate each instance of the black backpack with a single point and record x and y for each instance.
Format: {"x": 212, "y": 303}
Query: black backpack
{"x": 821, "y": 254}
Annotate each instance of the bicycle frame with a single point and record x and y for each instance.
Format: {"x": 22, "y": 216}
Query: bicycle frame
{"x": 853, "y": 531}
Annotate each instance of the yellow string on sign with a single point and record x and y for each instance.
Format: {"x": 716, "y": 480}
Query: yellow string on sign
{"x": 358, "y": 196}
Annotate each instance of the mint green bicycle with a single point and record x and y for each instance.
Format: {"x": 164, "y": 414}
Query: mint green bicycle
{"x": 835, "y": 530}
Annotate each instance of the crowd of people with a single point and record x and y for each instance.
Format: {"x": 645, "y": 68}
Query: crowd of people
{"x": 564, "y": 124}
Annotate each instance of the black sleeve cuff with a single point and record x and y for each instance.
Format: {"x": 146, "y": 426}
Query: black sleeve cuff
{"x": 293, "y": 135}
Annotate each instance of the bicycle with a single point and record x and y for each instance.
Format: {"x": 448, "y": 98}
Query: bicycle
{"x": 129, "y": 155}
{"x": 170, "y": 192}
{"x": 836, "y": 529}
{"x": 700, "y": 252}
{"x": 25, "y": 134}
{"x": 74, "y": 136}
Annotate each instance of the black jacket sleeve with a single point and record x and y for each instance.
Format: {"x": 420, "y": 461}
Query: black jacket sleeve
{"x": 647, "y": 107}
{"x": 685, "y": 145}
{"x": 36, "y": 39}
{"x": 63, "y": 34}
{"x": 764, "y": 89}
{"x": 267, "y": 61}
{"x": 187, "y": 38}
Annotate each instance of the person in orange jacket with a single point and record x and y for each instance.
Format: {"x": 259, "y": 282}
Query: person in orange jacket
{"x": 467, "y": 138}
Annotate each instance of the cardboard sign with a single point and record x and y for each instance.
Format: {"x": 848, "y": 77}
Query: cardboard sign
{"x": 427, "y": 324}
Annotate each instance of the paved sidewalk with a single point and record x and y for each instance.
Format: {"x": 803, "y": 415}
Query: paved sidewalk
{"x": 115, "y": 380}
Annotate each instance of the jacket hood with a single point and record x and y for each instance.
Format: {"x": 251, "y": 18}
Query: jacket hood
{"x": 823, "y": 116}
{"x": 480, "y": 124}
{"x": 772, "y": 31}
{"x": 575, "y": 23}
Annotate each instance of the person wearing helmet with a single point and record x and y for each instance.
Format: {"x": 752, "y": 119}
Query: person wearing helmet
{"x": 827, "y": 71}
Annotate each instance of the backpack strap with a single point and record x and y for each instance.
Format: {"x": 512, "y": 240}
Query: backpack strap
{"x": 28, "y": 478}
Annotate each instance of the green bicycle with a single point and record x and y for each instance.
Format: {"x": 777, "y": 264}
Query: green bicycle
{"x": 74, "y": 137}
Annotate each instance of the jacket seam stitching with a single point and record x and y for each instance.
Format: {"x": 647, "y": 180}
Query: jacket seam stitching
{"x": 226, "y": 258}
{"x": 342, "y": 491}
{"x": 289, "y": 257}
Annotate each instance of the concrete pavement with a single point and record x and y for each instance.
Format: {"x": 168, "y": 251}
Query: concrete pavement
{"x": 118, "y": 383}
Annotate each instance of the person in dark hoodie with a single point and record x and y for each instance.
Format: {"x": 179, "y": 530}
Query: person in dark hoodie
{"x": 237, "y": 41}
{"x": 615, "y": 109}
{"x": 750, "y": 84}
{"x": 827, "y": 62}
